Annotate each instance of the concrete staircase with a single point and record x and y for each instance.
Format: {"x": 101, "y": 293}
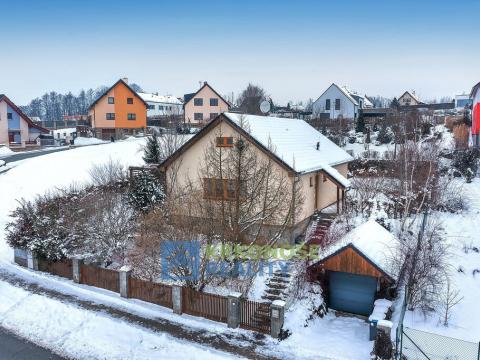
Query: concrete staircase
{"x": 277, "y": 286}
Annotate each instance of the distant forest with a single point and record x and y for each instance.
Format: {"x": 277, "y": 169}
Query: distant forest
{"x": 52, "y": 106}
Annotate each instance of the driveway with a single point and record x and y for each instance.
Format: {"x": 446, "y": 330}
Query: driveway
{"x": 31, "y": 154}
{"x": 14, "y": 348}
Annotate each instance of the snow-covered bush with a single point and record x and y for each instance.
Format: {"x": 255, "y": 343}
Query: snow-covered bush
{"x": 51, "y": 225}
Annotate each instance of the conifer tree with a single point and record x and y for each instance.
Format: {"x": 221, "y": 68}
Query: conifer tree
{"x": 152, "y": 150}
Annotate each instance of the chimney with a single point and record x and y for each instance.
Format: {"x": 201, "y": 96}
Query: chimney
{"x": 318, "y": 145}
{"x": 125, "y": 79}
{"x": 204, "y": 83}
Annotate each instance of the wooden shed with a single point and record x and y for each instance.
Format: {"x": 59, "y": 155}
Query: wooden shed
{"x": 355, "y": 271}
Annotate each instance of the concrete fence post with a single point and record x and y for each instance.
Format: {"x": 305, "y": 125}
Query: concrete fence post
{"x": 177, "y": 299}
{"x": 76, "y": 265}
{"x": 234, "y": 306}
{"x": 125, "y": 272}
{"x": 277, "y": 316}
{"x": 32, "y": 260}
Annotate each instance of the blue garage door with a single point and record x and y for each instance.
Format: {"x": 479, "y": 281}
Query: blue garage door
{"x": 352, "y": 293}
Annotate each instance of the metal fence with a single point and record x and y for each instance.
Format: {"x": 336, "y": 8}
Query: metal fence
{"x": 413, "y": 344}
{"x": 422, "y": 345}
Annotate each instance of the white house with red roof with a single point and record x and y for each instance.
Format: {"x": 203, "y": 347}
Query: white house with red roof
{"x": 17, "y": 130}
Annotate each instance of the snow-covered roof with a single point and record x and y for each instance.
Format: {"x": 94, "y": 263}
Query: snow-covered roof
{"x": 374, "y": 241}
{"x": 367, "y": 102}
{"x": 167, "y": 99}
{"x": 294, "y": 141}
{"x": 347, "y": 93}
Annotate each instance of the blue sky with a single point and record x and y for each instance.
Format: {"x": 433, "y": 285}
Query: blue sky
{"x": 294, "y": 49}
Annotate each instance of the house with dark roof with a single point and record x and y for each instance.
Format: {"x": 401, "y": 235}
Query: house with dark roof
{"x": 117, "y": 112}
{"x": 17, "y": 130}
{"x": 203, "y": 106}
{"x": 316, "y": 167}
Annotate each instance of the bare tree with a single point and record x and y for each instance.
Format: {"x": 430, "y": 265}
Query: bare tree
{"x": 449, "y": 298}
{"x": 245, "y": 197}
{"x": 107, "y": 173}
{"x": 250, "y": 99}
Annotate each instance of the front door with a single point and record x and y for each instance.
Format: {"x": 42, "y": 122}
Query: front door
{"x": 11, "y": 137}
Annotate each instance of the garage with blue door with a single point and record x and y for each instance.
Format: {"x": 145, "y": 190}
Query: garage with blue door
{"x": 352, "y": 293}
{"x": 354, "y": 271}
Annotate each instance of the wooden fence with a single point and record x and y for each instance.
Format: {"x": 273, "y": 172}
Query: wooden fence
{"x": 102, "y": 278}
{"x": 155, "y": 293}
{"x": 60, "y": 268}
{"x": 209, "y": 306}
{"x": 255, "y": 316}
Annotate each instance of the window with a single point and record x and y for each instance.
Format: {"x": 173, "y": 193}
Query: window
{"x": 9, "y": 116}
{"x": 327, "y": 104}
{"x": 160, "y": 107}
{"x": 213, "y": 115}
{"x": 224, "y": 141}
{"x": 337, "y": 104}
{"x": 219, "y": 189}
{"x": 198, "y": 102}
{"x": 110, "y": 116}
{"x": 111, "y": 100}
{"x": 213, "y": 102}
{"x": 130, "y": 101}
{"x": 132, "y": 116}
{"x": 151, "y": 107}
{"x": 198, "y": 116}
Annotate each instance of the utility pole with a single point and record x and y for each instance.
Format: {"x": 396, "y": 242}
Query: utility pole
{"x": 415, "y": 254}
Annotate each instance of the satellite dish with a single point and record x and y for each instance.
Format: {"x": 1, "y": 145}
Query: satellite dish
{"x": 265, "y": 106}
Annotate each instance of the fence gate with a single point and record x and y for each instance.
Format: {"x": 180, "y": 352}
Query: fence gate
{"x": 255, "y": 316}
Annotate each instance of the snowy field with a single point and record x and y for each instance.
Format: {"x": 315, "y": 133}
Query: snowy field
{"x": 464, "y": 240}
{"x": 38, "y": 175}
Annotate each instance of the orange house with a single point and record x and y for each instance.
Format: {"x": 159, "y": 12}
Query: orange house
{"x": 118, "y": 112}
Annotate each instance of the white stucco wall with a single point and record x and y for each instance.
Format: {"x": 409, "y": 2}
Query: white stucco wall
{"x": 347, "y": 108}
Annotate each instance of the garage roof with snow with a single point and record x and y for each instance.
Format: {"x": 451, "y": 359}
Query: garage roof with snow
{"x": 372, "y": 241}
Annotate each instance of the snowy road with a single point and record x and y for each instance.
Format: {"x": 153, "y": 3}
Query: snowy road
{"x": 14, "y": 348}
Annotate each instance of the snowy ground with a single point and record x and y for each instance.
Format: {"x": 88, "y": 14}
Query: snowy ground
{"x": 73, "y": 332}
{"x": 330, "y": 337}
{"x": 462, "y": 232}
{"x": 38, "y": 175}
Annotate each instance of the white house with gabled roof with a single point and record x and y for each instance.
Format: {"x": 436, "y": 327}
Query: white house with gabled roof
{"x": 298, "y": 152}
{"x": 339, "y": 102}
{"x": 161, "y": 105}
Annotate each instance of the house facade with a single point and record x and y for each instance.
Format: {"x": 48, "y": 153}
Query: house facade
{"x": 162, "y": 105}
{"x": 339, "y": 102}
{"x": 475, "y": 96}
{"x": 203, "y": 106}
{"x": 17, "y": 130}
{"x": 408, "y": 99}
{"x": 118, "y": 112}
{"x": 300, "y": 153}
